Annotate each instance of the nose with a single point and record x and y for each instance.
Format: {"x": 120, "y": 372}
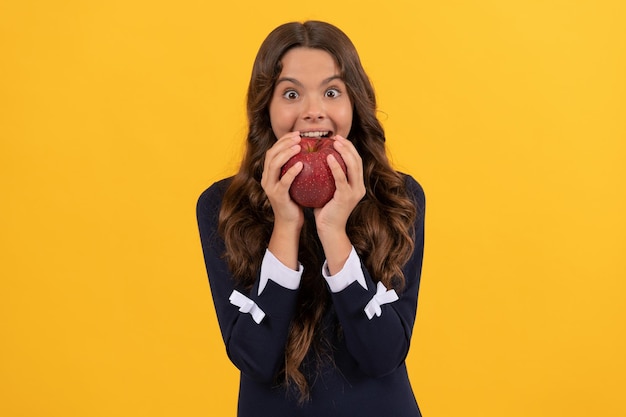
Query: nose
{"x": 313, "y": 109}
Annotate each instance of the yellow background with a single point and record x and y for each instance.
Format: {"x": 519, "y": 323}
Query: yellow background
{"x": 115, "y": 115}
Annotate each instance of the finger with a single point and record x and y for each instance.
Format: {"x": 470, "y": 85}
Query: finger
{"x": 281, "y": 152}
{"x": 346, "y": 149}
{"x": 281, "y": 158}
{"x": 290, "y": 137}
{"x": 344, "y": 142}
{"x": 291, "y": 174}
{"x": 350, "y": 157}
{"x": 284, "y": 142}
{"x": 335, "y": 168}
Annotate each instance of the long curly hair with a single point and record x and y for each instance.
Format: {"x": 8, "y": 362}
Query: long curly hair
{"x": 380, "y": 227}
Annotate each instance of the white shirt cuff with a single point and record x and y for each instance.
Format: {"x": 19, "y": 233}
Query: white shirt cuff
{"x": 275, "y": 270}
{"x": 350, "y": 272}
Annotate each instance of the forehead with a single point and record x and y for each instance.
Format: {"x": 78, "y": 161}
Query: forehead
{"x": 308, "y": 62}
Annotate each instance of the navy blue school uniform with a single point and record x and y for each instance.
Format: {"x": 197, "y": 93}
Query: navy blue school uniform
{"x": 367, "y": 375}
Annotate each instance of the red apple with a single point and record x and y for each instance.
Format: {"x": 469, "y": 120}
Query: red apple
{"x": 314, "y": 186}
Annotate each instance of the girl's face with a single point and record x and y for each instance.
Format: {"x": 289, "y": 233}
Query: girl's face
{"x": 309, "y": 96}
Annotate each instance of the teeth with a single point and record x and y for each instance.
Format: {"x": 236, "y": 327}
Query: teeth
{"x": 314, "y": 134}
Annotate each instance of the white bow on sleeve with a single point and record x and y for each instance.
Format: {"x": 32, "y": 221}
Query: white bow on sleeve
{"x": 246, "y": 305}
{"x": 381, "y": 297}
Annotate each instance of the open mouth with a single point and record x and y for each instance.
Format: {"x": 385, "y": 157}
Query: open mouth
{"x": 317, "y": 134}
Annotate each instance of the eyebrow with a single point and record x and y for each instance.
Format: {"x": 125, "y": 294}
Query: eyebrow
{"x": 298, "y": 83}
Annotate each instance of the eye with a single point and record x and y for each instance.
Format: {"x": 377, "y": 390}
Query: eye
{"x": 332, "y": 93}
{"x": 291, "y": 94}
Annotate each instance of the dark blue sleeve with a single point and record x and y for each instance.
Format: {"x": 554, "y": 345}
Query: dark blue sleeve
{"x": 256, "y": 349}
{"x": 381, "y": 344}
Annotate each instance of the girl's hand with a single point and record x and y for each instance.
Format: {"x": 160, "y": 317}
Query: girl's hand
{"x": 286, "y": 211}
{"x": 288, "y": 216}
{"x": 331, "y": 219}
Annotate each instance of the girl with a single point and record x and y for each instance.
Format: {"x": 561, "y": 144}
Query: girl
{"x": 316, "y": 306}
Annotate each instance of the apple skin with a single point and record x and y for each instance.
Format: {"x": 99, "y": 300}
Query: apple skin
{"x": 314, "y": 186}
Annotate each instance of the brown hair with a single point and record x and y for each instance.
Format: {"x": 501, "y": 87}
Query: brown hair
{"x": 380, "y": 227}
